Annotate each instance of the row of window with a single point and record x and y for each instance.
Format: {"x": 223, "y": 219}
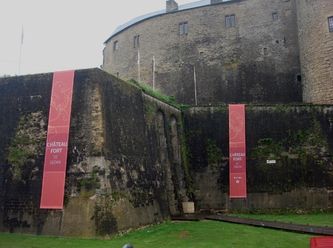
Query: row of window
{"x": 136, "y": 43}
{"x": 230, "y": 21}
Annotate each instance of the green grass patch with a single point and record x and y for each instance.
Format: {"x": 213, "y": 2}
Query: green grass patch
{"x": 320, "y": 219}
{"x": 204, "y": 234}
{"x": 171, "y": 100}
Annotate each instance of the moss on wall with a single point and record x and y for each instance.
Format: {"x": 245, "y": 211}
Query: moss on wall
{"x": 89, "y": 184}
{"x": 298, "y": 138}
{"x": 113, "y": 155}
{"x": 131, "y": 151}
{"x": 105, "y": 221}
{"x": 303, "y": 159}
{"x": 214, "y": 153}
{"x": 186, "y": 156}
{"x": 26, "y": 145}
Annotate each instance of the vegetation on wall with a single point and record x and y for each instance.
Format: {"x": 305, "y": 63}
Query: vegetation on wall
{"x": 150, "y": 112}
{"x": 146, "y": 88}
{"x": 288, "y": 147}
{"x": 26, "y": 145}
{"x": 186, "y": 156}
{"x": 214, "y": 153}
{"x": 89, "y": 183}
{"x": 19, "y": 152}
{"x": 105, "y": 221}
{"x": 302, "y": 158}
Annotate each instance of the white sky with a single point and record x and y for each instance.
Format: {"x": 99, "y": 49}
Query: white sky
{"x": 62, "y": 34}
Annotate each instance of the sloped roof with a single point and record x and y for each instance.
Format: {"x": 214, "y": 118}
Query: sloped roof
{"x": 138, "y": 19}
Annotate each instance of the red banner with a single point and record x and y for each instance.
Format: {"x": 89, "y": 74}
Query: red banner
{"x": 55, "y": 162}
{"x": 321, "y": 242}
{"x": 237, "y": 151}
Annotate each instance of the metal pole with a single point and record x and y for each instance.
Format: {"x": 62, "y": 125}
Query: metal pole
{"x": 139, "y": 75}
{"x": 153, "y": 72}
{"x": 20, "y": 55}
{"x": 195, "y": 86}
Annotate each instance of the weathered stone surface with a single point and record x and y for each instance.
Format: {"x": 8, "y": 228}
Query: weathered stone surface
{"x": 316, "y": 46}
{"x": 119, "y": 174}
{"x": 299, "y": 138}
{"x": 134, "y": 159}
{"x": 255, "y": 61}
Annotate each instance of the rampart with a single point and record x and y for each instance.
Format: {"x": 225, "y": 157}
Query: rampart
{"x": 289, "y": 157}
{"x": 123, "y": 154}
{"x": 133, "y": 159}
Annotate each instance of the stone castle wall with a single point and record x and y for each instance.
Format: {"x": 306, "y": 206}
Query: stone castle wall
{"x": 133, "y": 159}
{"x": 299, "y": 139}
{"x": 123, "y": 157}
{"x": 257, "y": 60}
{"x": 316, "y": 49}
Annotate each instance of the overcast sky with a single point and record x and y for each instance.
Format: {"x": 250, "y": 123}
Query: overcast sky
{"x": 62, "y": 34}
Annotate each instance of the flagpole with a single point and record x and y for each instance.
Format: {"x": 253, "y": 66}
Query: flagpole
{"x": 154, "y": 72}
{"x": 20, "y": 55}
{"x": 195, "y": 86}
{"x": 139, "y": 76}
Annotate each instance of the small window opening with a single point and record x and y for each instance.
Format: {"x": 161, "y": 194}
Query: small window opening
{"x": 265, "y": 51}
{"x": 115, "y": 45}
{"x": 330, "y": 24}
{"x": 183, "y": 28}
{"x": 230, "y": 21}
{"x": 136, "y": 41}
{"x": 275, "y": 16}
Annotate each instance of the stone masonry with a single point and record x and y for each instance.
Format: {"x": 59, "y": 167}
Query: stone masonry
{"x": 135, "y": 155}
{"x": 244, "y": 63}
{"x": 316, "y": 46}
{"x": 256, "y": 59}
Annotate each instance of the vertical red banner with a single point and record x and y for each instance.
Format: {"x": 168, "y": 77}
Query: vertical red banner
{"x": 55, "y": 162}
{"x": 237, "y": 151}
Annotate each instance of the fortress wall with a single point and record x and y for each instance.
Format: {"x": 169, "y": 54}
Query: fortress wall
{"x": 298, "y": 138}
{"x": 255, "y": 61}
{"x": 316, "y": 49}
{"x": 122, "y": 169}
{"x": 130, "y": 165}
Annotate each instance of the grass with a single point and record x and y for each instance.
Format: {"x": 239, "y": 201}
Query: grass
{"x": 320, "y": 219}
{"x": 146, "y": 88}
{"x": 205, "y": 234}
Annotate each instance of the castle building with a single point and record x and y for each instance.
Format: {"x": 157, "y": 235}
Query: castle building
{"x": 215, "y": 51}
{"x": 135, "y": 158}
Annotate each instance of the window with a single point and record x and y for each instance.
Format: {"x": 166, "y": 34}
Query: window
{"x": 330, "y": 24}
{"x": 115, "y": 45}
{"x": 275, "y": 16}
{"x": 136, "y": 41}
{"x": 183, "y": 28}
{"x": 230, "y": 21}
{"x": 265, "y": 51}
